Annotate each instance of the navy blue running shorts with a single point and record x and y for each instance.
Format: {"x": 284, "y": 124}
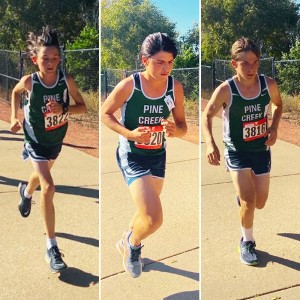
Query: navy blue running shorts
{"x": 134, "y": 166}
{"x": 259, "y": 162}
{"x": 38, "y": 152}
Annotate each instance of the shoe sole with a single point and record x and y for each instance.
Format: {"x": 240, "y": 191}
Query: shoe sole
{"x": 118, "y": 246}
{"x": 52, "y": 270}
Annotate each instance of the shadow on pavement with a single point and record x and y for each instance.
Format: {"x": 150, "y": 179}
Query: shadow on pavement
{"x": 294, "y": 236}
{"x": 265, "y": 258}
{"x": 80, "y": 239}
{"x": 78, "y": 277}
{"x": 64, "y": 189}
{"x": 190, "y": 295}
{"x": 79, "y": 191}
{"x": 151, "y": 265}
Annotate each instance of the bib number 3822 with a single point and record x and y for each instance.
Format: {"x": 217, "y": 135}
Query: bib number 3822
{"x": 254, "y": 130}
{"x": 156, "y": 138}
{"x": 53, "y": 121}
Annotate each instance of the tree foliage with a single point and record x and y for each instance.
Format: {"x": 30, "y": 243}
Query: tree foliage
{"x": 124, "y": 26}
{"x": 288, "y": 72}
{"x": 89, "y": 60}
{"x": 272, "y": 24}
{"x": 18, "y": 17}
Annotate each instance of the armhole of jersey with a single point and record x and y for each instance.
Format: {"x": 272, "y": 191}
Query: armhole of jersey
{"x": 266, "y": 84}
{"x": 66, "y": 81}
{"x": 171, "y": 87}
{"x": 230, "y": 90}
{"x": 133, "y": 88}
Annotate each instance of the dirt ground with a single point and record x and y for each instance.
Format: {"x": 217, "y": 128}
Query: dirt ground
{"x": 85, "y": 137}
{"x": 288, "y": 131}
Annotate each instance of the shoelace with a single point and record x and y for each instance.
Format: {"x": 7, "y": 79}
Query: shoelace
{"x": 249, "y": 247}
{"x": 56, "y": 253}
{"x": 135, "y": 254}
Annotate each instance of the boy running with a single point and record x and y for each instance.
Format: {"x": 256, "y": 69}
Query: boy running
{"x": 245, "y": 100}
{"x": 46, "y": 112}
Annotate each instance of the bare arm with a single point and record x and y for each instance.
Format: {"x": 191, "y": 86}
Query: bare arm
{"x": 219, "y": 97}
{"x": 22, "y": 85}
{"x": 113, "y": 102}
{"x": 276, "y": 103}
{"x": 78, "y": 108}
{"x": 179, "y": 128}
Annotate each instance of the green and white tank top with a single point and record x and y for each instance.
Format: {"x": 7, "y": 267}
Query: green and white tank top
{"x": 140, "y": 110}
{"x": 245, "y": 120}
{"x": 41, "y": 125}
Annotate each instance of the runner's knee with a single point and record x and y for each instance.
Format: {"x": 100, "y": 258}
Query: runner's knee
{"x": 48, "y": 189}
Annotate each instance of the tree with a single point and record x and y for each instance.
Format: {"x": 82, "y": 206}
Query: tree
{"x": 85, "y": 69}
{"x": 288, "y": 72}
{"x": 18, "y": 17}
{"x": 124, "y": 26}
{"x": 272, "y": 24}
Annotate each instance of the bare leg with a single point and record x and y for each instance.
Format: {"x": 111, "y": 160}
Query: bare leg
{"x": 158, "y": 185}
{"x": 148, "y": 217}
{"x": 42, "y": 169}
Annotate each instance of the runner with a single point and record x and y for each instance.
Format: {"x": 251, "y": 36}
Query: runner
{"x": 245, "y": 100}
{"x": 146, "y": 100}
{"x": 46, "y": 111}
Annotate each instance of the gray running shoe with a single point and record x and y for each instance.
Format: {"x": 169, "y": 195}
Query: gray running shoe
{"x": 247, "y": 253}
{"x": 53, "y": 257}
{"x": 25, "y": 203}
{"x": 132, "y": 260}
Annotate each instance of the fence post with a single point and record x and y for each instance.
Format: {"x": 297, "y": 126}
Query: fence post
{"x": 63, "y": 58}
{"x": 105, "y": 83}
{"x": 21, "y": 64}
{"x": 213, "y": 75}
{"x": 273, "y": 68}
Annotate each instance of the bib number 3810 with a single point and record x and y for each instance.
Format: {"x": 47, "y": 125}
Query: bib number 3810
{"x": 254, "y": 130}
{"x": 53, "y": 121}
{"x": 156, "y": 138}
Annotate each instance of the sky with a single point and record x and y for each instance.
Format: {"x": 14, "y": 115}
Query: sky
{"x": 182, "y": 12}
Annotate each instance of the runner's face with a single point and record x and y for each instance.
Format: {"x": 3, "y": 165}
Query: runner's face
{"x": 159, "y": 65}
{"x": 246, "y": 65}
{"x": 47, "y": 59}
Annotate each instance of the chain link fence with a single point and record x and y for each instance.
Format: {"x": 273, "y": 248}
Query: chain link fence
{"x": 82, "y": 64}
{"x": 189, "y": 77}
{"x": 286, "y": 73}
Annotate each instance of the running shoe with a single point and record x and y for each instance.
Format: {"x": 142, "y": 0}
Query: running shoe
{"x": 247, "y": 253}
{"x": 54, "y": 259}
{"x": 132, "y": 260}
{"x": 25, "y": 203}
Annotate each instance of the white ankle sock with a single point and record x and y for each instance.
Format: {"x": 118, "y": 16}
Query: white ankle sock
{"x": 51, "y": 243}
{"x": 27, "y": 195}
{"x": 247, "y": 234}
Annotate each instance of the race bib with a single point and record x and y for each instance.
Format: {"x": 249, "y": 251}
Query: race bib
{"x": 254, "y": 130}
{"x": 156, "y": 138}
{"x": 53, "y": 121}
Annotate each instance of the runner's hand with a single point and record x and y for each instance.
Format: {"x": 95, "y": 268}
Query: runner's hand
{"x": 272, "y": 136}
{"x": 213, "y": 154}
{"x": 15, "y": 125}
{"x": 140, "y": 135}
{"x": 169, "y": 128}
{"x": 55, "y": 107}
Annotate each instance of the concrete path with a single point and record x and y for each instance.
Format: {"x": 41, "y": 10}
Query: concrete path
{"x": 24, "y": 273}
{"x": 171, "y": 254}
{"x": 276, "y": 230}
